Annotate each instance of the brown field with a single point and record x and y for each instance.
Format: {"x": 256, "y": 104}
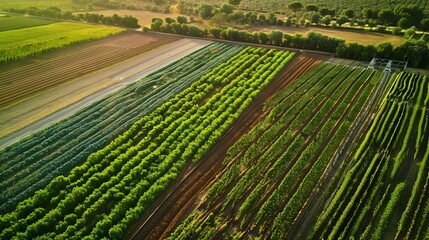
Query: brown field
{"x": 160, "y": 220}
{"x": 61, "y": 83}
{"x": 145, "y": 17}
{"x": 358, "y": 36}
{"x": 23, "y": 78}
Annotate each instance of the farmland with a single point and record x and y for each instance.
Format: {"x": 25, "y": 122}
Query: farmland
{"x": 21, "y": 43}
{"x": 169, "y": 141}
{"x": 98, "y": 125}
{"x": 146, "y": 135}
{"x": 17, "y": 22}
{"x": 263, "y": 185}
{"x": 65, "y": 65}
{"x": 391, "y": 163}
{"x": 64, "y": 4}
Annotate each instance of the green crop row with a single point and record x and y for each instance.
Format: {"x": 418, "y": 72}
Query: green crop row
{"x": 271, "y": 176}
{"x": 116, "y": 184}
{"x": 34, "y": 161}
{"x": 398, "y": 124}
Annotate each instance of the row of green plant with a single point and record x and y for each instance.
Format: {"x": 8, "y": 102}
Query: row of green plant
{"x": 394, "y": 143}
{"x": 271, "y": 171}
{"x": 113, "y": 187}
{"x": 33, "y": 162}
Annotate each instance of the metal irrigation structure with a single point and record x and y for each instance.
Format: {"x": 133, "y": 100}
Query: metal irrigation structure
{"x": 387, "y": 64}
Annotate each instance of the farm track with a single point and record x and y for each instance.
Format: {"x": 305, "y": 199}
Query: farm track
{"x": 21, "y": 79}
{"x": 159, "y": 220}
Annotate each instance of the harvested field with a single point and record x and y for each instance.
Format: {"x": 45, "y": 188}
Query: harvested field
{"x": 23, "y": 78}
{"x": 158, "y": 221}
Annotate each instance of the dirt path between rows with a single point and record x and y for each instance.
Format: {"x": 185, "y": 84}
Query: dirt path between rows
{"x": 179, "y": 199}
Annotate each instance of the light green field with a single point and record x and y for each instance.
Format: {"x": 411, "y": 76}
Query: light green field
{"x": 17, "y": 22}
{"x": 63, "y": 4}
{"x": 21, "y": 43}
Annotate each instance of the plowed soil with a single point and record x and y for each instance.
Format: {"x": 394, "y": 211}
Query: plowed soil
{"x": 173, "y": 206}
{"x": 27, "y": 77}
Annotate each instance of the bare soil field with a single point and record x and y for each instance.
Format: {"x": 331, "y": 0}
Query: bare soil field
{"x": 180, "y": 198}
{"x": 23, "y": 78}
{"x": 145, "y": 17}
{"x": 58, "y": 102}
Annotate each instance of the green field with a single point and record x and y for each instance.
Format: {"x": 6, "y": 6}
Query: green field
{"x": 17, "y": 22}
{"x": 21, "y": 43}
{"x": 64, "y": 4}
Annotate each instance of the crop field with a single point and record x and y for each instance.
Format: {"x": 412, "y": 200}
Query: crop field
{"x": 144, "y": 159}
{"x": 17, "y": 22}
{"x": 21, "y": 43}
{"x": 56, "y": 67}
{"x": 95, "y": 126}
{"x": 264, "y": 185}
{"x": 63, "y": 4}
{"x": 391, "y": 198}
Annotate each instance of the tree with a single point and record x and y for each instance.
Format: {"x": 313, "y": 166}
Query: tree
{"x": 220, "y": 19}
{"x": 409, "y": 33}
{"x": 263, "y": 38}
{"x": 205, "y": 11}
{"x": 156, "y": 24}
{"x": 387, "y": 16}
{"x": 215, "y": 32}
{"x": 326, "y": 20}
{"x": 295, "y": 6}
{"x": 182, "y": 19}
{"x": 276, "y": 37}
{"x": 169, "y": 20}
{"x": 311, "y": 8}
{"x": 413, "y": 13}
{"x": 424, "y": 25}
{"x": 226, "y": 8}
{"x": 350, "y": 13}
{"x": 176, "y": 28}
{"x": 404, "y": 23}
{"x": 342, "y": 19}
{"x": 384, "y": 50}
{"x": 159, "y": 2}
{"x": 315, "y": 18}
{"x": 367, "y": 13}
{"x": 272, "y": 19}
{"x": 234, "y": 2}
{"x": 325, "y": 11}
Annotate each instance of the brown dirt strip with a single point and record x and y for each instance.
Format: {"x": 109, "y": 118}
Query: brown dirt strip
{"x": 26, "y": 77}
{"x": 159, "y": 220}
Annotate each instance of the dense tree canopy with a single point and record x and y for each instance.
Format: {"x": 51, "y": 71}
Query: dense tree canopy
{"x": 234, "y": 2}
{"x": 295, "y": 6}
{"x": 205, "y": 11}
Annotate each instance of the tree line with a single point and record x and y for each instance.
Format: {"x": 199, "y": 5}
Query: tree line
{"x": 415, "y": 51}
{"x": 55, "y": 12}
